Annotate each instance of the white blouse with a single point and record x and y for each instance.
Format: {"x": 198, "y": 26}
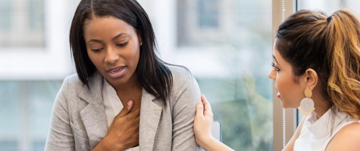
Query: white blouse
{"x": 113, "y": 106}
{"x": 316, "y": 133}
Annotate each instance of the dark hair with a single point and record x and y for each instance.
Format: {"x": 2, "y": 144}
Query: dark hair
{"x": 330, "y": 46}
{"x": 152, "y": 73}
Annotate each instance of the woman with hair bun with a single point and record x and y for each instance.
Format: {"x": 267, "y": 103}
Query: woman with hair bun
{"x": 316, "y": 68}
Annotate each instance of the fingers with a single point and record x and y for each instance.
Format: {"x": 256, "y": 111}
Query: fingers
{"x": 207, "y": 105}
{"x": 136, "y": 121}
{"x": 126, "y": 109}
{"x": 134, "y": 114}
{"x": 199, "y": 109}
{"x": 130, "y": 104}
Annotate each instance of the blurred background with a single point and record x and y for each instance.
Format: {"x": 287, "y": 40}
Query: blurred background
{"x": 226, "y": 44}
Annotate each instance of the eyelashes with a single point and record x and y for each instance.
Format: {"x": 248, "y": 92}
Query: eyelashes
{"x": 96, "y": 50}
{"x": 276, "y": 68}
{"x": 122, "y": 45}
{"x": 118, "y": 45}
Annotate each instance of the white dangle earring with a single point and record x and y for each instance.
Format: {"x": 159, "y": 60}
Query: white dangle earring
{"x": 307, "y": 104}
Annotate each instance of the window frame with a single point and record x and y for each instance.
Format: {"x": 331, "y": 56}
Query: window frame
{"x": 290, "y": 120}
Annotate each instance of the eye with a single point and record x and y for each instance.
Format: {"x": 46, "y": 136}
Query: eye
{"x": 97, "y": 50}
{"x": 276, "y": 68}
{"x": 122, "y": 44}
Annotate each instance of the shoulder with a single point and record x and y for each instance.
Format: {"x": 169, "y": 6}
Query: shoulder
{"x": 74, "y": 79}
{"x": 184, "y": 87}
{"x": 182, "y": 79}
{"x": 347, "y": 138}
{"x": 68, "y": 91}
{"x": 180, "y": 74}
{"x": 179, "y": 70}
{"x": 71, "y": 83}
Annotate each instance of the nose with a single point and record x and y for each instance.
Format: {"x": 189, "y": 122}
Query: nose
{"x": 111, "y": 56}
{"x": 272, "y": 74}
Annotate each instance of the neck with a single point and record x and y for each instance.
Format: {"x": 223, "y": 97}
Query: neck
{"x": 130, "y": 85}
{"x": 131, "y": 90}
{"x": 321, "y": 105}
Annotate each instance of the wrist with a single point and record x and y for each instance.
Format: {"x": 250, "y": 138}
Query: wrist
{"x": 107, "y": 144}
{"x": 206, "y": 141}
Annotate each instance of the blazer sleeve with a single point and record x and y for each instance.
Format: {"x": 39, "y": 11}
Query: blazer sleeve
{"x": 187, "y": 94}
{"x": 60, "y": 136}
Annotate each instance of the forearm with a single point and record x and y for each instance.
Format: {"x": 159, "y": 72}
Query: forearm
{"x": 213, "y": 144}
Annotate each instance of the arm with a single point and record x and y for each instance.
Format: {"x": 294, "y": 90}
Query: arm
{"x": 290, "y": 145}
{"x": 346, "y": 139}
{"x": 60, "y": 136}
{"x": 186, "y": 92}
{"x": 214, "y": 145}
{"x": 202, "y": 127}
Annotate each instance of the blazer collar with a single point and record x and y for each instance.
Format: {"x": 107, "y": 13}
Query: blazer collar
{"x": 150, "y": 113}
{"x": 94, "y": 117}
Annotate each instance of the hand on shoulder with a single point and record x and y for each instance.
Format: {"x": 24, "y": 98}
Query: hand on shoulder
{"x": 203, "y": 122}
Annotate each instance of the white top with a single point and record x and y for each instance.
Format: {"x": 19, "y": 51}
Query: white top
{"x": 316, "y": 133}
{"x": 113, "y": 106}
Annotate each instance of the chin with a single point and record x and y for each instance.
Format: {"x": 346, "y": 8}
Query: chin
{"x": 288, "y": 106}
{"x": 117, "y": 81}
{"x": 284, "y": 105}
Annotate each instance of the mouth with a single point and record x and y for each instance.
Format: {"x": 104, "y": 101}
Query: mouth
{"x": 278, "y": 95}
{"x": 116, "y": 72}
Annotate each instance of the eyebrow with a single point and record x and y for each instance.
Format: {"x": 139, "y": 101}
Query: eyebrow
{"x": 275, "y": 59}
{"x": 117, "y": 36}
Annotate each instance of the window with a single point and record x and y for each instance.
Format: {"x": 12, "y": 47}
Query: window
{"x": 208, "y": 13}
{"x": 227, "y": 45}
{"x": 22, "y": 23}
{"x": 25, "y": 113}
{"x": 31, "y": 68}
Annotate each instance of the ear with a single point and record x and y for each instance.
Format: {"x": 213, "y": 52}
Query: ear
{"x": 140, "y": 40}
{"x": 311, "y": 78}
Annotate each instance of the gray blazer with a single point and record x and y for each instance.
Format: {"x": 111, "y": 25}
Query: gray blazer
{"x": 79, "y": 122}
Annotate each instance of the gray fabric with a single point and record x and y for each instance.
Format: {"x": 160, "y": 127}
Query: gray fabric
{"x": 79, "y": 121}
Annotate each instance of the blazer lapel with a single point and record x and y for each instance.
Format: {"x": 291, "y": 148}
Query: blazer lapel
{"x": 150, "y": 113}
{"x": 93, "y": 115}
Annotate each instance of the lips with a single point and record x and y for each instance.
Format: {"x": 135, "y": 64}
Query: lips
{"x": 116, "y": 72}
{"x": 278, "y": 95}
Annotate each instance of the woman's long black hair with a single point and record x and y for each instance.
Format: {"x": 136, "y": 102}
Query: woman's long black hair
{"x": 152, "y": 73}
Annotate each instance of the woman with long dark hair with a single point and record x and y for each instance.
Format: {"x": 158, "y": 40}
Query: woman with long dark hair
{"x": 316, "y": 68}
{"x": 123, "y": 96}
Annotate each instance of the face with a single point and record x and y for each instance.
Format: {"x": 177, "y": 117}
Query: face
{"x": 113, "y": 46}
{"x": 290, "y": 92}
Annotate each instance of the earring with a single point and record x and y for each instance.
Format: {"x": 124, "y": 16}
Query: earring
{"x": 140, "y": 43}
{"x": 307, "y": 104}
